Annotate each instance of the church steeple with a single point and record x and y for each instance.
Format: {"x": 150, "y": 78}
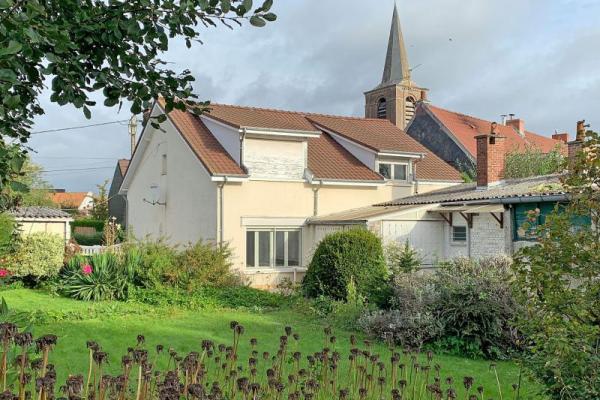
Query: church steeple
{"x": 395, "y": 98}
{"x": 396, "y": 67}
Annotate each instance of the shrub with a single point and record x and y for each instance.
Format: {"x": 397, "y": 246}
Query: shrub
{"x": 38, "y": 255}
{"x": 411, "y": 321}
{"x": 97, "y": 224}
{"x": 157, "y": 261}
{"x": 475, "y": 306}
{"x": 7, "y": 230}
{"x": 95, "y": 239}
{"x": 533, "y": 162}
{"x": 203, "y": 264}
{"x": 95, "y": 278}
{"x": 402, "y": 258}
{"x": 354, "y": 254}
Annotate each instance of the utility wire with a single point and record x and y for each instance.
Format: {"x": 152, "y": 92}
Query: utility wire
{"x": 75, "y": 169}
{"x": 80, "y": 127}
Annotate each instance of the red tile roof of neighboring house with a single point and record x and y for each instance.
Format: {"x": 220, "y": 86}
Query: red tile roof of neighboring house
{"x": 69, "y": 199}
{"x": 123, "y": 164}
{"x": 206, "y": 147}
{"x": 465, "y": 128}
{"x": 326, "y": 158}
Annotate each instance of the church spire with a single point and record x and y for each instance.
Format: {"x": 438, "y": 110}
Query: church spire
{"x": 396, "y": 68}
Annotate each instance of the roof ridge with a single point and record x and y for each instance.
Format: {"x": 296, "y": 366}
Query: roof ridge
{"x": 300, "y": 113}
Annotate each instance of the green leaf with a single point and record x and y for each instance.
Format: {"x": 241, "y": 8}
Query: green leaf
{"x": 87, "y": 112}
{"x": 8, "y": 75}
{"x": 257, "y": 21}
{"x": 13, "y": 48}
{"x": 270, "y": 17}
{"x": 109, "y": 102}
{"x": 267, "y": 5}
{"x": 247, "y": 5}
{"x": 19, "y": 187}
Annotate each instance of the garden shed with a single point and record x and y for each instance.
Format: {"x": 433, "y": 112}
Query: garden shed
{"x": 43, "y": 219}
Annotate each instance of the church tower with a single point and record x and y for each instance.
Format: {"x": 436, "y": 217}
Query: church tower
{"x": 396, "y": 97}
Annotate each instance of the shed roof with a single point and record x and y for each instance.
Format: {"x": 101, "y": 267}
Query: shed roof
{"x": 35, "y": 212}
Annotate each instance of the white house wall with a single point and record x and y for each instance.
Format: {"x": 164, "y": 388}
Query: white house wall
{"x": 274, "y": 159}
{"x": 190, "y": 196}
{"x": 488, "y": 238}
{"x": 228, "y": 137}
{"x": 367, "y": 157}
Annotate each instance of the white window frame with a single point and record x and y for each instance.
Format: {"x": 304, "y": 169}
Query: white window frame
{"x": 391, "y": 164}
{"x": 272, "y": 242}
{"x": 459, "y": 242}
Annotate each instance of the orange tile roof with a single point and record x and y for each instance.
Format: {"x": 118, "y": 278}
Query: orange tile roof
{"x": 123, "y": 165}
{"x": 206, "y": 147}
{"x": 69, "y": 199}
{"x": 465, "y": 128}
{"x": 327, "y": 159}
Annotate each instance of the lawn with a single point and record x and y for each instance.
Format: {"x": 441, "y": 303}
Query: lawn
{"x": 115, "y": 325}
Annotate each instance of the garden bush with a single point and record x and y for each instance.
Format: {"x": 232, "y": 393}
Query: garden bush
{"x": 342, "y": 256}
{"x": 97, "y": 224}
{"x": 7, "y": 229}
{"x": 83, "y": 239}
{"x": 410, "y": 321}
{"x": 97, "y": 277}
{"x": 204, "y": 264}
{"x": 158, "y": 260}
{"x": 38, "y": 255}
{"x": 466, "y": 308}
{"x": 402, "y": 258}
{"x": 475, "y": 305}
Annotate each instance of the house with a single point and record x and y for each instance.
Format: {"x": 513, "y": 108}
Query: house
{"x": 452, "y": 136}
{"x": 43, "y": 219}
{"x": 251, "y": 177}
{"x": 76, "y": 202}
{"x": 116, "y": 201}
{"x": 449, "y": 135}
{"x": 472, "y": 220}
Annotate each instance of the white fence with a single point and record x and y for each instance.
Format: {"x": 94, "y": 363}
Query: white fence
{"x": 89, "y": 250}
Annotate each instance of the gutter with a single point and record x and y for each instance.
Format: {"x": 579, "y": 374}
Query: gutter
{"x": 221, "y": 213}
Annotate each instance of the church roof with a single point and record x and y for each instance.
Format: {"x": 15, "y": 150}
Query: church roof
{"x": 464, "y": 128}
{"x": 396, "y": 69}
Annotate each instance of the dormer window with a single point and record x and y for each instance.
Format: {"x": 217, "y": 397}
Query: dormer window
{"x": 382, "y": 108}
{"x": 394, "y": 171}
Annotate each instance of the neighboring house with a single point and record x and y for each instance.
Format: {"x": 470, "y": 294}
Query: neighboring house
{"x": 451, "y": 135}
{"x": 43, "y": 219}
{"x": 75, "y": 202}
{"x": 251, "y": 177}
{"x": 473, "y": 219}
{"x": 116, "y": 201}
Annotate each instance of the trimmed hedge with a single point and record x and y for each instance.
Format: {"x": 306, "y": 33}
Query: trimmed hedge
{"x": 88, "y": 240}
{"x": 356, "y": 254}
{"x": 97, "y": 224}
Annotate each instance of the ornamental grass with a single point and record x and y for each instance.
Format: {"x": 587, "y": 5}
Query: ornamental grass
{"x": 217, "y": 371}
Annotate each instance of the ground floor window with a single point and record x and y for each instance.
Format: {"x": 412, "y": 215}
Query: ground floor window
{"x": 459, "y": 234}
{"x": 273, "y": 247}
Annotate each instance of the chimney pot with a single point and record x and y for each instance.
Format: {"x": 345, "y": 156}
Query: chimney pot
{"x": 490, "y": 159}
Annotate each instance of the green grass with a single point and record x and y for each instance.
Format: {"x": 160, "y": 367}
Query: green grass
{"x": 115, "y": 327}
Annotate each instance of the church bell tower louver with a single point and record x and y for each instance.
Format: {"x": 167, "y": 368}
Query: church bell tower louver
{"x": 395, "y": 98}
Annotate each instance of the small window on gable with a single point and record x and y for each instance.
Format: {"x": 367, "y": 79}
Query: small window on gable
{"x": 164, "y": 165}
{"x": 459, "y": 234}
{"x": 382, "y": 108}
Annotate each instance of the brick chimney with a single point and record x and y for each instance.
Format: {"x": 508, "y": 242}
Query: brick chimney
{"x": 576, "y": 145}
{"x": 517, "y": 124}
{"x": 490, "y": 158}
{"x": 562, "y": 137}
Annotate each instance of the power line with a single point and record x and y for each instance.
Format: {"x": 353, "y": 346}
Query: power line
{"x": 80, "y": 127}
{"x": 75, "y": 169}
{"x": 77, "y": 158}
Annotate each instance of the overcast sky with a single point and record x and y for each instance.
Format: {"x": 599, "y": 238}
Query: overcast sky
{"x": 538, "y": 59}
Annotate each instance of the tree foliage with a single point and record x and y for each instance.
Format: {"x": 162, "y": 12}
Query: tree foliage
{"x": 559, "y": 283}
{"x": 532, "y": 162}
{"x": 76, "y": 47}
{"x": 100, "y": 210}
